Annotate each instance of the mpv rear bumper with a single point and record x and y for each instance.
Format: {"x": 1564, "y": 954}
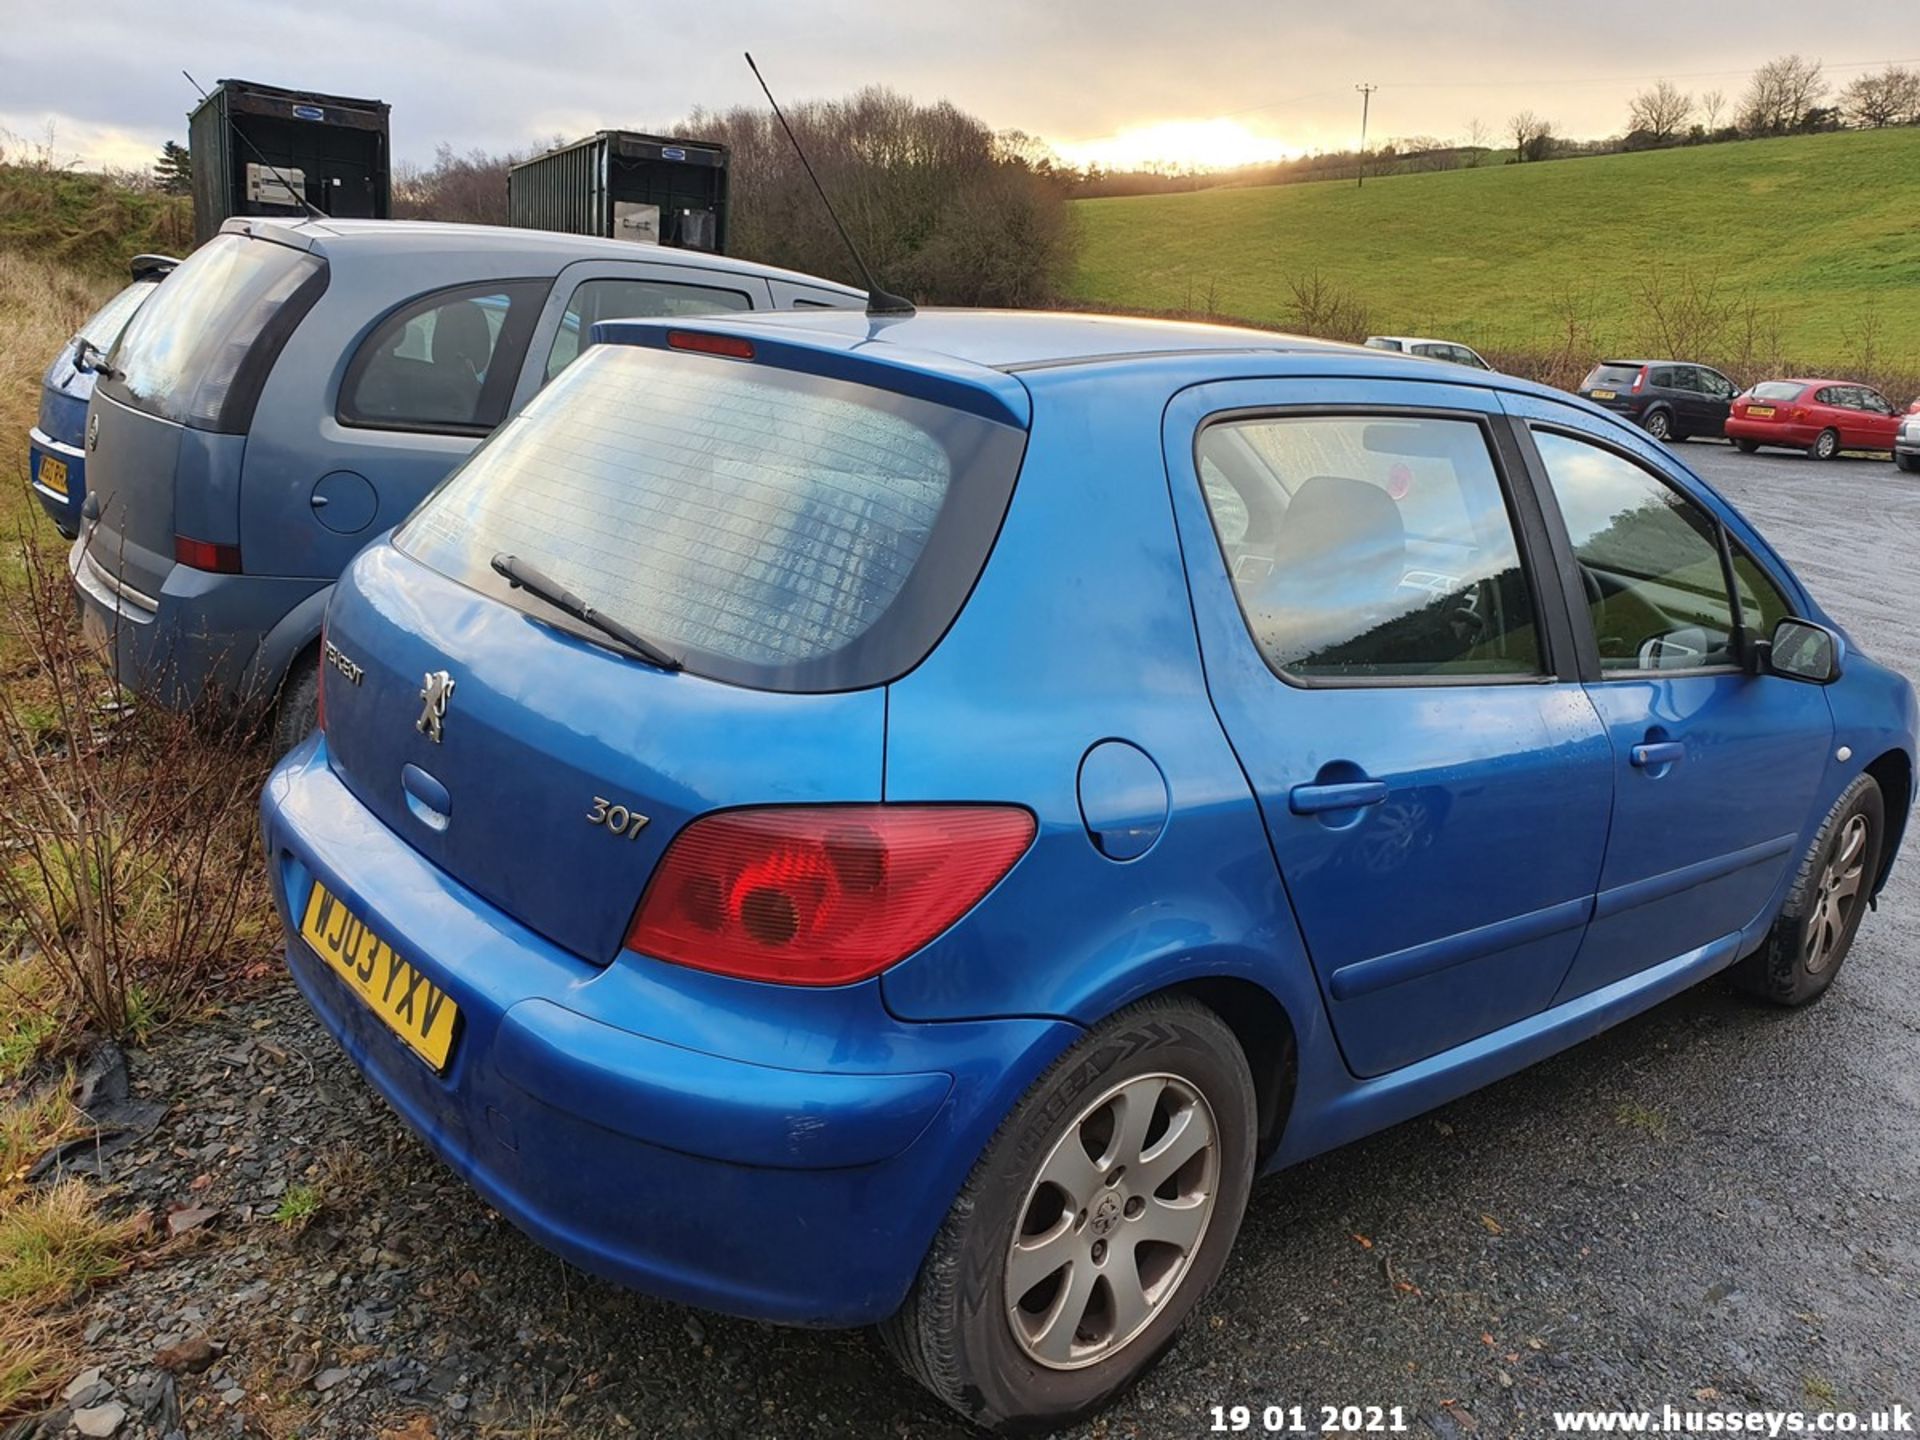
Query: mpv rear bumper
{"x": 194, "y": 642}
{"x": 762, "y": 1150}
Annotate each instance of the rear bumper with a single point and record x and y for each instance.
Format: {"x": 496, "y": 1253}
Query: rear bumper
{"x": 759, "y": 1150}
{"x": 62, "y": 509}
{"x": 193, "y": 642}
{"x": 1769, "y": 432}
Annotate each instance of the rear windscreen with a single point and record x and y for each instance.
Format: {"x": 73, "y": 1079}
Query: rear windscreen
{"x": 105, "y": 326}
{"x": 182, "y": 355}
{"x": 1611, "y": 377}
{"x": 770, "y": 528}
{"x": 1777, "y": 390}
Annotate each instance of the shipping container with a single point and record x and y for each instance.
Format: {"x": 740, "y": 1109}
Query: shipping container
{"x": 261, "y": 150}
{"x": 626, "y": 186}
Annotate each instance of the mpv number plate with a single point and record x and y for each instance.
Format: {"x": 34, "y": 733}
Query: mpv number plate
{"x": 53, "y": 475}
{"x": 416, "y": 1009}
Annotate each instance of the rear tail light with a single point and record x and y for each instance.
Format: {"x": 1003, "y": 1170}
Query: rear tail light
{"x": 1640, "y": 380}
{"x": 207, "y": 555}
{"x": 822, "y": 895}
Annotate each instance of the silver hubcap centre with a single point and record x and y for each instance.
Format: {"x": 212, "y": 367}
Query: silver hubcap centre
{"x": 1112, "y": 1223}
{"x": 1837, "y": 897}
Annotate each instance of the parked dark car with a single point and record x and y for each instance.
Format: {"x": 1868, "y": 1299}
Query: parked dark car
{"x": 1669, "y": 399}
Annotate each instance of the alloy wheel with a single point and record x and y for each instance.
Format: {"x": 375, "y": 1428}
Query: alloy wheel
{"x": 1113, "y": 1221}
{"x": 1838, "y": 896}
{"x": 1659, "y": 426}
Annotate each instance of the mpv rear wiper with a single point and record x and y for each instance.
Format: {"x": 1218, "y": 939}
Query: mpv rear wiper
{"x": 523, "y": 575}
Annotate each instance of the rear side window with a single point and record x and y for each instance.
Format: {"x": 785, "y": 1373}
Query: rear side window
{"x": 773, "y": 529}
{"x": 1380, "y": 342}
{"x": 1777, "y": 390}
{"x": 199, "y": 351}
{"x": 1369, "y": 549}
{"x": 617, "y": 299}
{"x": 446, "y": 362}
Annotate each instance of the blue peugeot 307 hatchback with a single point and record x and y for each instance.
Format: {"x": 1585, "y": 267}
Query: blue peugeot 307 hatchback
{"x": 849, "y": 820}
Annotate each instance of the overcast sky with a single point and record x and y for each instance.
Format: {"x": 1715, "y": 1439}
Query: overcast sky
{"x": 1270, "y": 74}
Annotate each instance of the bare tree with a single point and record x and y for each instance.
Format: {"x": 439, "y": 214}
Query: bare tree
{"x": 1887, "y": 97}
{"x": 1780, "y": 94}
{"x": 1478, "y": 134}
{"x": 1532, "y": 136}
{"x": 1662, "y": 111}
{"x": 1712, "y": 102}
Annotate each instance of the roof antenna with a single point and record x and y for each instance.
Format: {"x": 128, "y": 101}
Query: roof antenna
{"x": 879, "y": 302}
{"x": 314, "y": 212}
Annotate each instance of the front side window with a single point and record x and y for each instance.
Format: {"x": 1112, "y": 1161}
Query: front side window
{"x": 624, "y": 299}
{"x": 770, "y": 528}
{"x": 431, "y": 365}
{"x": 1649, "y": 561}
{"x": 1370, "y": 548}
{"x": 1874, "y": 401}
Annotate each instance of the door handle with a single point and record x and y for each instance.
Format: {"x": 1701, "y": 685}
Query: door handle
{"x": 1318, "y": 799}
{"x": 1661, "y": 752}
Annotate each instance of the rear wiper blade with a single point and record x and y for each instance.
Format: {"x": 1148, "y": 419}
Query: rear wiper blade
{"x": 524, "y": 575}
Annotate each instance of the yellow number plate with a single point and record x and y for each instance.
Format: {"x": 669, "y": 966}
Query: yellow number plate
{"x": 53, "y": 475}
{"x": 417, "y": 1009}
{"x": 1760, "y": 412}
{"x": 1606, "y": 394}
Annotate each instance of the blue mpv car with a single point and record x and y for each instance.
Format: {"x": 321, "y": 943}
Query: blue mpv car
{"x": 56, "y": 445}
{"x": 857, "y": 821}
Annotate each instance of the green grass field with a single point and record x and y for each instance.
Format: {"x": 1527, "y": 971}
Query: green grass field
{"x": 1821, "y": 231}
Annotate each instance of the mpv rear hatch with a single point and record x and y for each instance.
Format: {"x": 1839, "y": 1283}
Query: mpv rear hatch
{"x": 169, "y": 418}
{"x": 796, "y": 540}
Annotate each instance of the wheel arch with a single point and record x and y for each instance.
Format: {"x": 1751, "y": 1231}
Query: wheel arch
{"x": 1893, "y": 771}
{"x": 1267, "y": 1037}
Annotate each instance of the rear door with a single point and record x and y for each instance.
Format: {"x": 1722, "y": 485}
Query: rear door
{"x": 1389, "y": 658}
{"x": 1714, "y": 770}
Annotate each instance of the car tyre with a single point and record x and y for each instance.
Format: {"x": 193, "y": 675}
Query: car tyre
{"x": 1659, "y": 424}
{"x": 295, "y": 712}
{"x": 1908, "y": 463}
{"x": 1826, "y": 445}
{"x": 1143, "y": 1080}
{"x": 1747, "y": 447}
{"x": 1808, "y": 942}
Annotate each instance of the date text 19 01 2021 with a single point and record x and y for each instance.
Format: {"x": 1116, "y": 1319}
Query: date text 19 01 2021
{"x": 1309, "y": 1419}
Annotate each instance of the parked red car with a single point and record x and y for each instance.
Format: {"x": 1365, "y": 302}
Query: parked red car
{"x": 1821, "y": 417}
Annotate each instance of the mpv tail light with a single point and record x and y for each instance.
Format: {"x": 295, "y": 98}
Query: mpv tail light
{"x": 207, "y": 555}
{"x": 1640, "y": 380}
{"x": 822, "y": 895}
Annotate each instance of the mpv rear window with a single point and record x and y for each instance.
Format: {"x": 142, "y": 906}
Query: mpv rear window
{"x": 1777, "y": 390}
{"x": 198, "y": 351}
{"x": 773, "y": 529}
{"x": 104, "y": 327}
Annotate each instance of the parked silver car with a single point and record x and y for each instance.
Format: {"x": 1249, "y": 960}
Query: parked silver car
{"x": 294, "y": 389}
{"x": 1452, "y": 351}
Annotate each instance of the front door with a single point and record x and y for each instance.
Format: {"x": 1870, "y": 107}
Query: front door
{"x": 1394, "y": 670}
{"x": 1714, "y": 769}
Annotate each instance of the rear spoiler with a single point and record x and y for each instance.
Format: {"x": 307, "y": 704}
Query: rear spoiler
{"x": 923, "y": 374}
{"x": 152, "y": 267}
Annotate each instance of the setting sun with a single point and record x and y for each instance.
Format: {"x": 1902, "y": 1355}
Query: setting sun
{"x": 1178, "y": 145}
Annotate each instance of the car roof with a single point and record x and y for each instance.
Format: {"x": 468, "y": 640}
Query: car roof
{"x": 1017, "y": 339}
{"x": 549, "y": 248}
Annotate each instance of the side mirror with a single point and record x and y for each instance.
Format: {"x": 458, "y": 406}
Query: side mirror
{"x": 1802, "y": 650}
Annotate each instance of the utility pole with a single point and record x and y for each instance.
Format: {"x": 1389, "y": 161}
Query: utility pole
{"x": 1366, "y": 103}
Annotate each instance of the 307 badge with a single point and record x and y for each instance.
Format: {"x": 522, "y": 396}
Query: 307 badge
{"x": 418, "y": 1011}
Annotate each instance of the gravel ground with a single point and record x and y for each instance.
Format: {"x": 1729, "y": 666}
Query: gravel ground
{"x": 1713, "y": 1205}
